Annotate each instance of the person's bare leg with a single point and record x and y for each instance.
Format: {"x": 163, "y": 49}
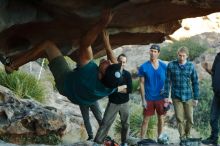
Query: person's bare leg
{"x": 16, "y": 57}
{"x": 160, "y": 124}
{"x": 144, "y": 126}
{"x": 47, "y": 48}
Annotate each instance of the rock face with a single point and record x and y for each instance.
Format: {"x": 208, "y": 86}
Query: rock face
{"x": 195, "y": 26}
{"x": 26, "y": 117}
{"x": 65, "y": 21}
{"x": 75, "y": 130}
{"x": 208, "y": 56}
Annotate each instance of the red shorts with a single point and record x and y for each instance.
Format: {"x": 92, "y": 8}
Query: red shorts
{"x": 154, "y": 105}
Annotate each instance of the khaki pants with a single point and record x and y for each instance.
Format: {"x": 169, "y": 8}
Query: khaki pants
{"x": 184, "y": 117}
{"x": 108, "y": 119}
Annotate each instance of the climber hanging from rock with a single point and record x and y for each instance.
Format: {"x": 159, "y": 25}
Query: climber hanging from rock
{"x": 86, "y": 83}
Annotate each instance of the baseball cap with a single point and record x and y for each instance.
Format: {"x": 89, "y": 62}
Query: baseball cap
{"x": 113, "y": 76}
{"x": 156, "y": 47}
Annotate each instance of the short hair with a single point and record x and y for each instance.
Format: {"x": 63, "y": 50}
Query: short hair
{"x": 123, "y": 55}
{"x": 183, "y": 50}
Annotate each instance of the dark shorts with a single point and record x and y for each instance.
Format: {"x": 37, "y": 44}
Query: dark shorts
{"x": 60, "y": 69}
{"x": 154, "y": 105}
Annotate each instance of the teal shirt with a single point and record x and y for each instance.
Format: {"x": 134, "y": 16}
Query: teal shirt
{"x": 82, "y": 85}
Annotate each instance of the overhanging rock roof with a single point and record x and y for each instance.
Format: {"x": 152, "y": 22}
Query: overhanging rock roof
{"x": 64, "y": 21}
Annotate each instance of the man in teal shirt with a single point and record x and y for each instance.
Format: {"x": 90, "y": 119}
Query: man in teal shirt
{"x": 88, "y": 82}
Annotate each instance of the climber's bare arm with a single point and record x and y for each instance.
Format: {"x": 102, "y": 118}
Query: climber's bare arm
{"x": 85, "y": 50}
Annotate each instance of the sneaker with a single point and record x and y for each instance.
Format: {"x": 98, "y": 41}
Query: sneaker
{"x": 163, "y": 139}
{"x": 210, "y": 140}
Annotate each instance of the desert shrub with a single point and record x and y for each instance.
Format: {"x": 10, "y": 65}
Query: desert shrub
{"x": 169, "y": 52}
{"x": 51, "y": 139}
{"x": 136, "y": 118}
{"x": 135, "y": 85}
{"x": 202, "y": 111}
{"x": 22, "y": 84}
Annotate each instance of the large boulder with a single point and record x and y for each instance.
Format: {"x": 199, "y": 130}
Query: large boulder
{"x": 75, "y": 129}
{"x": 20, "y": 117}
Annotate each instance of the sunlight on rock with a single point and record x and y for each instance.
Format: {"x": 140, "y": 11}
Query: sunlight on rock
{"x": 198, "y": 25}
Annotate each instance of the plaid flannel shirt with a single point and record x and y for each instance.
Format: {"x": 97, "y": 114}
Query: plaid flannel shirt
{"x": 183, "y": 81}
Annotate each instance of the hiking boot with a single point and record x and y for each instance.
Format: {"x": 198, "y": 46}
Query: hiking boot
{"x": 210, "y": 140}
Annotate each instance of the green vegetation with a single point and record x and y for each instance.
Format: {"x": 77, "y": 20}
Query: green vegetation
{"x": 195, "y": 49}
{"x": 135, "y": 85}
{"x": 51, "y": 139}
{"x": 136, "y": 118}
{"x": 22, "y": 84}
{"x": 202, "y": 111}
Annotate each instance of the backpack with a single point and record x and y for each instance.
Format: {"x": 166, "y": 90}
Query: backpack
{"x": 110, "y": 142}
{"x": 146, "y": 142}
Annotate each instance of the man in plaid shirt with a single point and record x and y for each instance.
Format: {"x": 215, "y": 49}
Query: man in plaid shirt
{"x": 182, "y": 78}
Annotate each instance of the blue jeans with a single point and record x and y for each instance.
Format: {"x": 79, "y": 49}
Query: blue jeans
{"x": 215, "y": 112}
